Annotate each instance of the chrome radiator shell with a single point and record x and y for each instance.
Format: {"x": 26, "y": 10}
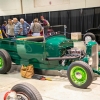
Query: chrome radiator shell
{"x": 94, "y": 55}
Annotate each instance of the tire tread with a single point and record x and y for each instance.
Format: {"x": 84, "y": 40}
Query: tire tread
{"x": 31, "y": 88}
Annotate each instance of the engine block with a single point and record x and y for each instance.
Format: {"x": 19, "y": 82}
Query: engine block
{"x": 75, "y": 52}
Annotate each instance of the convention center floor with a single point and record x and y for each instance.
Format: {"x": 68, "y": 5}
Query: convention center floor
{"x": 57, "y": 89}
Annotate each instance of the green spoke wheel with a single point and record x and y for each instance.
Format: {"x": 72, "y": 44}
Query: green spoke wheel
{"x": 80, "y": 74}
{"x": 1, "y": 62}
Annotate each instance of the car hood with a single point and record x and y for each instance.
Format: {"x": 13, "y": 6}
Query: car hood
{"x": 59, "y": 40}
{"x": 93, "y": 30}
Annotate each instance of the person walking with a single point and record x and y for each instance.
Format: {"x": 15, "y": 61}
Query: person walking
{"x": 26, "y": 27}
{"x": 10, "y": 29}
{"x": 45, "y": 25}
{"x": 36, "y": 28}
{"x": 18, "y": 29}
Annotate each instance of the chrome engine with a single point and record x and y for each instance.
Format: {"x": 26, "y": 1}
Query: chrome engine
{"x": 75, "y": 52}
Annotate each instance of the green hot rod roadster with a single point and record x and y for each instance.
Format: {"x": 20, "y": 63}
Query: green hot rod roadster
{"x": 55, "y": 52}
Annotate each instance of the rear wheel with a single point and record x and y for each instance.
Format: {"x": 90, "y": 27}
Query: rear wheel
{"x": 5, "y": 61}
{"x": 80, "y": 74}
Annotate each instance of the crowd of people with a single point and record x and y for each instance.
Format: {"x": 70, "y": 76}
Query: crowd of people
{"x": 14, "y": 27}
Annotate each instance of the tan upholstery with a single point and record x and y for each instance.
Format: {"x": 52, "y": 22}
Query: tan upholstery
{"x": 33, "y": 38}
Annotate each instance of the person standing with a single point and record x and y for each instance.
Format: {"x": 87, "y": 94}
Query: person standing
{"x": 33, "y": 22}
{"x": 3, "y": 29}
{"x": 36, "y": 28}
{"x": 1, "y": 37}
{"x": 45, "y": 24}
{"x": 18, "y": 29}
{"x": 26, "y": 27}
{"x": 10, "y": 28}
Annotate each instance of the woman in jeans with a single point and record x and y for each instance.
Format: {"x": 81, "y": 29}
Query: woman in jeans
{"x": 10, "y": 28}
{"x": 36, "y": 28}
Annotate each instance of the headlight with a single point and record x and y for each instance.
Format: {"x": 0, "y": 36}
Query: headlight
{"x": 90, "y": 61}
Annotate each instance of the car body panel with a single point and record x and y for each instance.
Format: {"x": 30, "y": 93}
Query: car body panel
{"x": 94, "y": 30}
{"x": 54, "y": 43}
{"x": 32, "y": 52}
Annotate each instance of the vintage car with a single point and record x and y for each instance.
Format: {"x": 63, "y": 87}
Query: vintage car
{"x": 92, "y": 34}
{"x": 55, "y": 52}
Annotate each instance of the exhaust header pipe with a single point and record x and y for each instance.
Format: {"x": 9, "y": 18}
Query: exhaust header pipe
{"x": 61, "y": 58}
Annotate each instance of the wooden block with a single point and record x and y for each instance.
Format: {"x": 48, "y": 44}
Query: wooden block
{"x": 76, "y": 36}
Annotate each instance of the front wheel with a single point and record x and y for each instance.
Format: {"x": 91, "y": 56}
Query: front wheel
{"x": 80, "y": 74}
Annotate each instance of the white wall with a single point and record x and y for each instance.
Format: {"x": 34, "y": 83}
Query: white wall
{"x": 28, "y": 6}
{"x": 13, "y": 7}
{"x": 33, "y": 6}
{"x": 10, "y": 7}
{"x": 92, "y": 3}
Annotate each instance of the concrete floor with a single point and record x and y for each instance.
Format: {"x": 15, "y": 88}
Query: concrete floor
{"x": 57, "y": 89}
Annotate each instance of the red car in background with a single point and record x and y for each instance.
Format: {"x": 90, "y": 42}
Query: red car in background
{"x": 41, "y": 33}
